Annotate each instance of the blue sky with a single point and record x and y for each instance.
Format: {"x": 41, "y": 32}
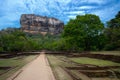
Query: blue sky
{"x": 11, "y": 10}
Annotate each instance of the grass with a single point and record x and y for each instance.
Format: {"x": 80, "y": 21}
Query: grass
{"x": 55, "y": 64}
{"x": 117, "y": 53}
{"x": 56, "y": 61}
{"x": 16, "y": 63}
{"x": 1, "y": 71}
{"x": 92, "y": 61}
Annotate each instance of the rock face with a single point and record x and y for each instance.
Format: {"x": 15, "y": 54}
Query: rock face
{"x": 32, "y": 23}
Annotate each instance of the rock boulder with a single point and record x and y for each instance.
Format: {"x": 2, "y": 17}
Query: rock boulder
{"x": 32, "y": 23}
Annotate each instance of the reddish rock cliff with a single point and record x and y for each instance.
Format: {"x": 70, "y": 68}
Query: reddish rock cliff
{"x": 38, "y": 24}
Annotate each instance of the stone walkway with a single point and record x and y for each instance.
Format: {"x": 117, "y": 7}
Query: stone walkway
{"x": 38, "y": 69}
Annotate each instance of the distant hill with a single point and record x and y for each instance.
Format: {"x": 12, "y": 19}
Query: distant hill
{"x": 32, "y": 23}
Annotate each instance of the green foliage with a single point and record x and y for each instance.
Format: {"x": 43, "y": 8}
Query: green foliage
{"x": 83, "y": 33}
{"x": 112, "y": 33}
{"x": 1, "y": 49}
{"x": 47, "y": 42}
{"x": 16, "y": 41}
{"x": 115, "y": 22}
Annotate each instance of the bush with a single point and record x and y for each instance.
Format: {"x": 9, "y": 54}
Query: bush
{"x": 1, "y": 49}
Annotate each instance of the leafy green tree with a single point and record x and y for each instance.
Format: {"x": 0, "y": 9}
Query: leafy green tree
{"x": 83, "y": 33}
{"x": 115, "y": 22}
{"x": 14, "y": 41}
{"x": 112, "y": 33}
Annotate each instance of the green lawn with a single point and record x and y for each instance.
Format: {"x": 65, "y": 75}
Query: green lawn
{"x": 16, "y": 63}
{"x": 98, "y": 62}
{"x": 117, "y": 53}
{"x": 58, "y": 62}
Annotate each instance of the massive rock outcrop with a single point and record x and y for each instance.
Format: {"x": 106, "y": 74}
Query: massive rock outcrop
{"x": 32, "y": 23}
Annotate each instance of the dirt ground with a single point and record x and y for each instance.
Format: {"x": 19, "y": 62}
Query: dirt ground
{"x": 38, "y": 69}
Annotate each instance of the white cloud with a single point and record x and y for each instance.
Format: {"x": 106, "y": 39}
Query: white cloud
{"x": 11, "y": 10}
{"x": 95, "y": 1}
{"x": 75, "y": 12}
{"x": 72, "y": 16}
{"x": 63, "y": 1}
{"x": 107, "y": 13}
{"x": 86, "y": 7}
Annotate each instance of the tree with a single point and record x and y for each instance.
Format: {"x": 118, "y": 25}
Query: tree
{"x": 112, "y": 33}
{"x": 83, "y": 33}
{"x": 15, "y": 41}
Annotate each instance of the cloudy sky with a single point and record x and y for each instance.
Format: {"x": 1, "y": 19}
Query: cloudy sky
{"x": 11, "y": 10}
